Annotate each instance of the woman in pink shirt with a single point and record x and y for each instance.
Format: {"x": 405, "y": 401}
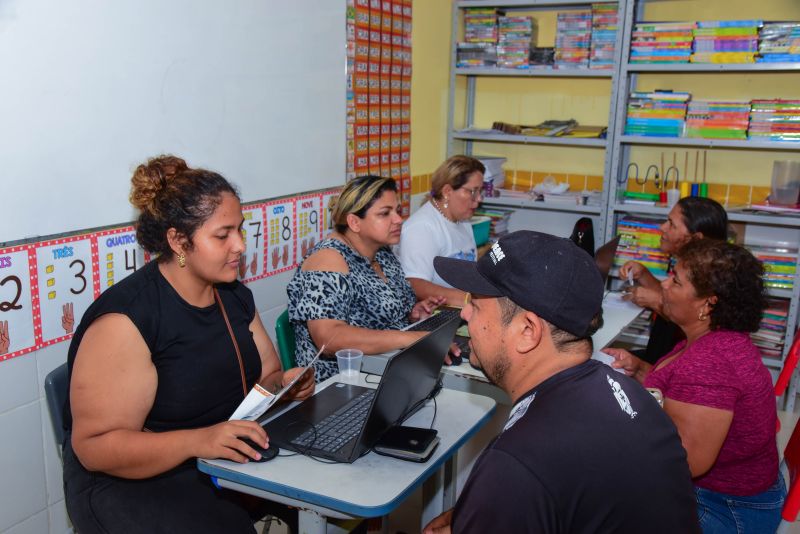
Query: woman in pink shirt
{"x": 716, "y": 388}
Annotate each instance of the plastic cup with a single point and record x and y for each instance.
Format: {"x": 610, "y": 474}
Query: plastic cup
{"x": 349, "y": 361}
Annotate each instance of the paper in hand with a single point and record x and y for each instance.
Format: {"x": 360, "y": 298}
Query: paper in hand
{"x": 259, "y": 400}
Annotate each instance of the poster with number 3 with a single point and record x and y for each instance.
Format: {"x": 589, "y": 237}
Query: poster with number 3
{"x": 66, "y": 285}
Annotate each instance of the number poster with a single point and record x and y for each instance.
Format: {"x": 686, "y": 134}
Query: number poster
{"x": 66, "y": 285}
{"x": 118, "y": 255}
{"x": 47, "y": 286}
{"x": 17, "y": 312}
{"x": 281, "y": 244}
{"x": 253, "y": 263}
{"x": 309, "y": 223}
{"x": 328, "y": 199}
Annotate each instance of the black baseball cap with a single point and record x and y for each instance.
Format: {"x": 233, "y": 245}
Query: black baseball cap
{"x": 542, "y": 273}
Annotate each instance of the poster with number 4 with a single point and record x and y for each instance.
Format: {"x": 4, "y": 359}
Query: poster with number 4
{"x": 17, "y": 330}
{"x": 252, "y": 265}
{"x": 309, "y": 223}
{"x": 280, "y": 236}
{"x": 118, "y": 255}
{"x": 65, "y": 285}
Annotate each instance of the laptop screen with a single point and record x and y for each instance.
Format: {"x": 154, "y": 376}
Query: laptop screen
{"x": 408, "y": 379}
{"x": 604, "y": 257}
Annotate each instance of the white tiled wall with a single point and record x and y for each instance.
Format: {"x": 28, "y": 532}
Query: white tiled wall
{"x": 31, "y": 491}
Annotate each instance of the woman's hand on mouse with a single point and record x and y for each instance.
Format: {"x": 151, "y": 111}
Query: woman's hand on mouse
{"x": 223, "y": 441}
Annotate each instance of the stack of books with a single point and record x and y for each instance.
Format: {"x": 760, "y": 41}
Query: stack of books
{"x": 780, "y": 265}
{"x": 480, "y": 25}
{"x": 476, "y": 55}
{"x": 715, "y": 119}
{"x": 573, "y": 39}
{"x": 726, "y": 41}
{"x": 479, "y": 48}
{"x": 514, "y": 42}
{"x": 641, "y": 241}
{"x": 775, "y": 120}
{"x": 656, "y": 114}
{"x": 604, "y": 36}
{"x": 499, "y": 220}
{"x": 662, "y": 42}
{"x": 779, "y": 42}
{"x": 771, "y": 334}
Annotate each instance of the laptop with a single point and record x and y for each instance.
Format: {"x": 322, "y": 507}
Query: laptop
{"x": 343, "y": 421}
{"x": 604, "y": 257}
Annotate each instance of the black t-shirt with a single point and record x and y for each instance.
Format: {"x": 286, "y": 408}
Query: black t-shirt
{"x": 199, "y": 381}
{"x": 589, "y": 450}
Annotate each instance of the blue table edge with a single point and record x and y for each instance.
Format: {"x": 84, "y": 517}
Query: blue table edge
{"x": 336, "y": 504}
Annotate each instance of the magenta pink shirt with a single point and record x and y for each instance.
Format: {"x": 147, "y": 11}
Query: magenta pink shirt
{"x": 723, "y": 369}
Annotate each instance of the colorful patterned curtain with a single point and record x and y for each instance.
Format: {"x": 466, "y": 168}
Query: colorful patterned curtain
{"x": 379, "y": 91}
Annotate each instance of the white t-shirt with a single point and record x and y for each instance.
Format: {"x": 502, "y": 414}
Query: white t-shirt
{"x": 427, "y": 234}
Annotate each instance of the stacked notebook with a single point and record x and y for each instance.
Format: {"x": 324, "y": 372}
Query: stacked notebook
{"x": 771, "y": 334}
{"x": 717, "y": 119}
{"x": 779, "y": 42}
{"x": 726, "y": 41}
{"x": 662, "y": 42}
{"x": 604, "y": 36}
{"x": 641, "y": 241}
{"x": 516, "y": 34}
{"x": 775, "y": 120}
{"x": 656, "y": 114}
{"x": 573, "y": 39}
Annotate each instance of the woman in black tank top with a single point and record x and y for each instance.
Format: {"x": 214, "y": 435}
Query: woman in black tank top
{"x": 160, "y": 362}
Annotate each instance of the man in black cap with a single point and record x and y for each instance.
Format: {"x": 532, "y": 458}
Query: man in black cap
{"x": 585, "y": 449}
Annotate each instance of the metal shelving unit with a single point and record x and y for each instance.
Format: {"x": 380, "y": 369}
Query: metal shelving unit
{"x": 622, "y": 144}
{"x": 618, "y": 146}
{"x": 471, "y": 75}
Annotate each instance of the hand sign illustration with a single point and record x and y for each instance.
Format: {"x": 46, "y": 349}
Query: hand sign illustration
{"x": 5, "y": 340}
{"x": 286, "y": 254}
{"x": 276, "y": 257}
{"x": 254, "y": 264}
{"x": 67, "y": 317}
{"x": 242, "y": 266}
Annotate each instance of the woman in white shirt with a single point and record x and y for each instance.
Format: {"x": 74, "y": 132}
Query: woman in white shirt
{"x": 441, "y": 227}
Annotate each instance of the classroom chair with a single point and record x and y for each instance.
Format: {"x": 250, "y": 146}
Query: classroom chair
{"x": 791, "y": 462}
{"x": 788, "y": 369}
{"x": 284, "y": 334}
{"x": 55, "y": 390}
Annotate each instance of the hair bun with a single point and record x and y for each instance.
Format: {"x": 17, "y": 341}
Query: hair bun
{"x": 150, "y": 178}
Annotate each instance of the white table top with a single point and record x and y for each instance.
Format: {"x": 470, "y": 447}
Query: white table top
{"x": 373, "y": 485}
{"x": 617, "y": 314}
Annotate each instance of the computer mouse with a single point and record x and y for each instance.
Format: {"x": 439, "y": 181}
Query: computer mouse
{"x": 266, "y": 454}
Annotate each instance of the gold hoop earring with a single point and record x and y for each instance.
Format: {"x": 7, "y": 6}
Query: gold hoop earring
{"x": 182, "y": 260}
{"x": 702, "y": 316}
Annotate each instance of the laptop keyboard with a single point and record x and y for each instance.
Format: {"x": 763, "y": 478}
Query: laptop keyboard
{"x": 336, "y": 430}
{"x": 435, "y": 321}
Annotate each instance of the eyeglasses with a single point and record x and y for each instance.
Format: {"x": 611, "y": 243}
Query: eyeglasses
{"x": 474, "y": 193}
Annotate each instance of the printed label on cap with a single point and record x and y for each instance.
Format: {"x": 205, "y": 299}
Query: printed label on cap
{"x": 496, "y": 253}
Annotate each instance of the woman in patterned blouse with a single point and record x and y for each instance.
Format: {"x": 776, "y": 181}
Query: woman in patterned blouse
{"x": 350, "y": 291}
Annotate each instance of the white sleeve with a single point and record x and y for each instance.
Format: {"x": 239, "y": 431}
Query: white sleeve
{"x": 419, "y": 244}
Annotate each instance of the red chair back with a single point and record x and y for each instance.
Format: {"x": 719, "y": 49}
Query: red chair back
{"x": 791, "y": 456}
{"x": 788, "y": 367}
